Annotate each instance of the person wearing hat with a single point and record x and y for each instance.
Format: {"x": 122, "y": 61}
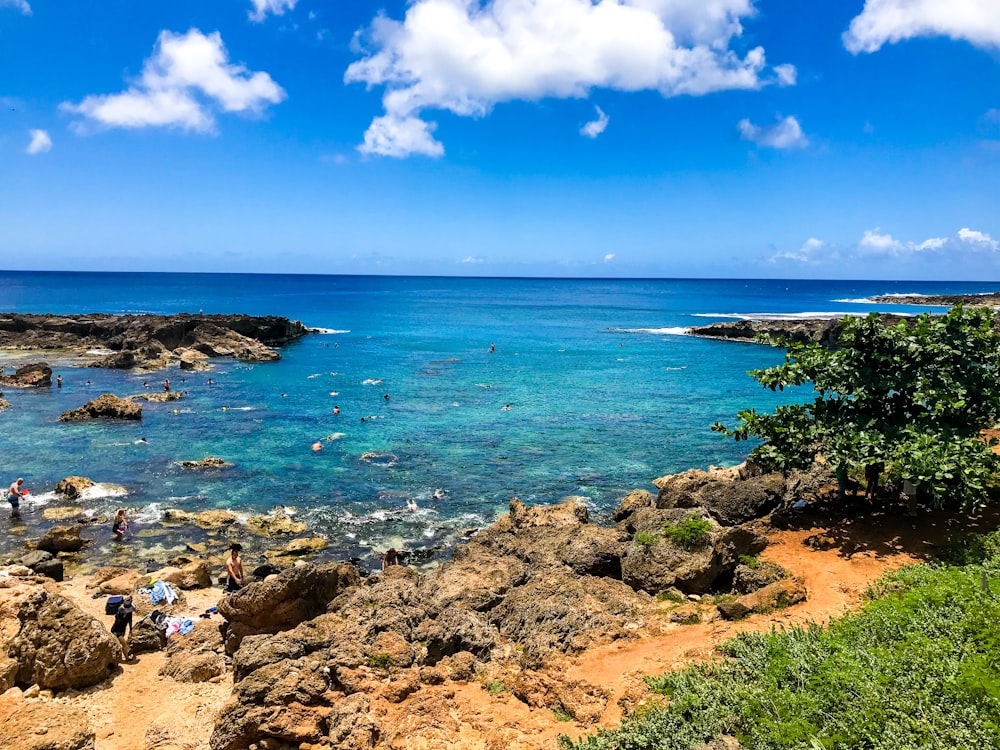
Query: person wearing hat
{"x": 123, "y": 620}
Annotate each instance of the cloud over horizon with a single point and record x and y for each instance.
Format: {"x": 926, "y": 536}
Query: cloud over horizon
{"x": 183, "y": 83}
{"x": 891, "y": 21}
{"x": 465, "y": 57}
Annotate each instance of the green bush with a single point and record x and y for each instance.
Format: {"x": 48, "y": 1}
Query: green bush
{"x": 917, "y": 668}
{"x": 645, "y": 538}
{"x": 688, "y": 533}
{"x": 380, "y": 661}
{"x": 562, "y": 714}
{"x": 495, "y": 687}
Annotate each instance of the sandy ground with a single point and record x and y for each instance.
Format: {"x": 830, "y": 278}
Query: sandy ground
{"x": 137, "y": 699}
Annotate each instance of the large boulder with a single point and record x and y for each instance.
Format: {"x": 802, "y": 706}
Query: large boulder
{"x": 655, "y": 563}
{"x": 62, "y": 539}
{"x": 196, "y": 574}
{"x": 44, "y": 564}
{"x": 274, "y": 524}
{"x": 56, "y": 644}
{"x": 29, "y": 376}
{"x": 731, "y": 496}
{"x": 215, "y": 341}
{"x": 777, "y": 595}
{"x": 105, "y": 406}
{"x": 295, "y": 595}
{"x": 72, "y": 488}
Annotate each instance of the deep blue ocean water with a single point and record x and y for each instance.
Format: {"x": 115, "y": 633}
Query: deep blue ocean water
{"x": 604, "y": 395}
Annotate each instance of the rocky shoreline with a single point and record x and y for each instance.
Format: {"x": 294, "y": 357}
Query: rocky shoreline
{"x": 151, "y": 342}
{"x": 322, "y": 655}
{"x": 990, "y": 299}
{"x": 824, "y": 331}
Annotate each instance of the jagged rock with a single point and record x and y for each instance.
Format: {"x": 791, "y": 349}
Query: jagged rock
{"x": 34, "y": 725}
{"x": 72, "y": 487}
{"x": 105, "y": 406}
{"x": 194, "y": 667}
{"x": 44, "y": 564}
{"x": 350, "y": 726}
{"x": 151, "y": 355}
{"x": 209, "y": 462}
{"x": 56, "y": 645}
{"x": 777, "y": 595}
{"x": 657, "y": 567}
{"x": 824, "y": 331}
{"x": 4, "y": 404}
{"x": 215, "y": 519}
{"x": 274, "y": 524}
{"x": 62, "y": 539}
{"x": 296, "y": 548}
{"x": 728, "y": 498}
{"x": 632, "y": 502}
{"x": 159, "y": 398}
{"x": 748, "y": 579}
{"x": 457, "y": 630}
{"x": 191, "y": 359}
{"x": 281, "y": 603}
{"x": 595, "y": 551}
{"x": 29, "y": 376}
{"x": 175, "y": 515}
{"x": 145, "y": 637}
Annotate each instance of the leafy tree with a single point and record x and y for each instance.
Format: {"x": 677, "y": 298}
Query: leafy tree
{"x": 912, "y": 397}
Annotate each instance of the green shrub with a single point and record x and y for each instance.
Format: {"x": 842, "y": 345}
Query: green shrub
{"x": 562, "y": 714}
{"x": 495, "y": 687}
{"x": 688, "y": 533}
{"x": 645, "y": 538}
{"x": 918, "y": 667}
{"x": 751, "y": 561}
{"x": 670, "y": 596}
{"x": 380, "y": 661}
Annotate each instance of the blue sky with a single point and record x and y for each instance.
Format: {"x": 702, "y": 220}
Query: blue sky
{"x": 666, "y": 138}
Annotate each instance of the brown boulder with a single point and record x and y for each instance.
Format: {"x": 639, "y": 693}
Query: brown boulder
{"x": 750, "y": 578}
{"x": 29, "y": 376}
{"x": 777, "y": 595}
{"x": 194, "y": 575}
{"x": 199, "y": 666}
{"x": 72, "y": 487}
{"x": 105, "y": 406}
{"x": 293, "y": 596}
{"x": 4, "y": 404}
{"x": 62, "y": 539}
{"x": 215, "y": 519}
{"x": 731, "y": 496}
{"x": 274, "y": 524}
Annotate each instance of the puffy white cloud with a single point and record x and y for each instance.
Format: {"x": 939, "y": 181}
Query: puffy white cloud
{"x": 466, "y": 56}
{"x": 609, "y": 257}
{"x": 980, "y": 239}
{"x": 400, "y": 136}
{"x": 40, "y": 142}
{"x": 262, "y": 7}
{"x": 875, "y": 241}
{"x": 187, "y": 77}
{"x": 594, "y": 128}
{"x": 890, "y": 21}
{"x": 21, "y": 5}
{"x": 788, "y": 75}
{"x": 784, "y": 134}
{"x": 812, "y": 251}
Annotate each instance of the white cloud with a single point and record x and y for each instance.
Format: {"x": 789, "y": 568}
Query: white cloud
{"x": 466, "y": 56}
{"x": 890, "y": 21}
{"x": 400, "y": 136}
{"x": 786, "y": 133}
{"x": 40, "y": 142}
{"x": 812, "y": 251}
{"x": 875, "y": 241}
{"x": 788, "y": 75}
{"x": 21, "y": 5}
{"x": 980, "y": 239}
{"x": 609, "y": 257}
{"x": 186, "y": 78}
{"x": 473, "y": 259}
{"x": 278, "y": 7}
{"x": 594, "y": 128}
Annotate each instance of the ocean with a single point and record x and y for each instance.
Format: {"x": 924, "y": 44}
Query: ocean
{"x": 592, "y": 390}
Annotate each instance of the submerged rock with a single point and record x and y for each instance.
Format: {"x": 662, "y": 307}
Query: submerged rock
{"x": 105, "y": 406}
{"x": 209, "y": 462}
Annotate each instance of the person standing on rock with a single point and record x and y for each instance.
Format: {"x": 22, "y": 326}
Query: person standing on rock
{"x": 14, "y": 495}
{"x": 234, "y": 568}
{"x": 123, "y": 621}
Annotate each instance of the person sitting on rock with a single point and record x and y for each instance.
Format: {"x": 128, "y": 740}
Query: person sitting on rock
{"x": 123, "y": 621}
{"x": 234, "y": 568}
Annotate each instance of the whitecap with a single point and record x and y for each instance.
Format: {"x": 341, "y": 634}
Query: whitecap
{"x": 371, "y": 381}
{"x": 334, "y": 393}
{"x": 242, "y": 408}
{"x": 856, "y": 300}
{"x": 101, "y": 352}
{"x": 682, "y": 367}
{"x": 335, "y": 436}
{"x": 669, "y": 331}
{"x": 314, "y": 375}
{"x": 327, "y": 331}
{"x": 101, "y": 490}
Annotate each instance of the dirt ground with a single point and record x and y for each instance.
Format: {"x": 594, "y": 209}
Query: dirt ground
{"x": 837, "y": 558}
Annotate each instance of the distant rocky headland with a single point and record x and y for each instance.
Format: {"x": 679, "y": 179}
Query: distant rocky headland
{"x": 825, "y": 331}
{"x": 152, "y": 342}
{"x": 990, "y": 299}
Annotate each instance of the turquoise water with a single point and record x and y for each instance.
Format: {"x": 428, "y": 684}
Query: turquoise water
{"x": 604, "y": 396}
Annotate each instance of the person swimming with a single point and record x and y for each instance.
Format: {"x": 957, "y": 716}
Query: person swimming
{"x": 411, "y": 504}
{"x": 317, "y": 446}
{"x": 438, "y": 494}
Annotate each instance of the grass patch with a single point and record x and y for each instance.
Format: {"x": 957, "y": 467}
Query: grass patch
{"x": 670, "y": 596}
{"x": 380, "y": 661}
{"x": 688, "y": 533}
{"x": 495, "y": 687}
{"x": 917, "y": 667}
{"x": 645, "y": 538}
{"x": 562, "y": 714}
{"x": 751, "y": 561}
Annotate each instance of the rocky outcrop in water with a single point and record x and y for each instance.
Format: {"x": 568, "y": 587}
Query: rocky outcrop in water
{"x": 29, "y": 376}
{"x": 153, "y": 341}
{"x": 105, "y": 406}
{"x": 991, "y": 299}
{"x": 73, "y": 487}
{"x": 209, "y": 462}
{"x": 824, "y": 331}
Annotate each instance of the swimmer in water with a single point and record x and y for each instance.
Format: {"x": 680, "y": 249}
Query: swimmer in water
{"x": 317, "y": 446}
{"x": 438, "y": 494}
{"x": 493, "y": 348}
{"x": 336, "y": 410}
{"x": 506, "y": 407}
{"x": 411, "y": 504}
